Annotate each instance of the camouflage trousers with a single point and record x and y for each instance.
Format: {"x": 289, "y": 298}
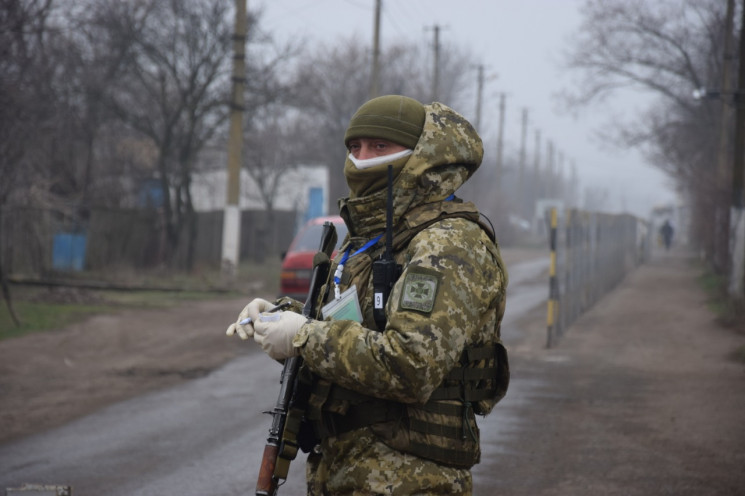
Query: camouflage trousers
{"x": 356, "y": 463}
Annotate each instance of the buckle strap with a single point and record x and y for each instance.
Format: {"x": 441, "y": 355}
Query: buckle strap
{"x": 471, "y": 374}
{"x": 452, "y": 457}
{"x": 358, "y": 416}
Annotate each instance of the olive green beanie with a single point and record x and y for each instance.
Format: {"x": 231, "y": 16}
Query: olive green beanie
{"x": 396, "y": 118}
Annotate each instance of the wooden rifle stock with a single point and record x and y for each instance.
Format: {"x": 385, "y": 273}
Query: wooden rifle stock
{"x": 266, "y": 484}
{"x": 279, "y": 452}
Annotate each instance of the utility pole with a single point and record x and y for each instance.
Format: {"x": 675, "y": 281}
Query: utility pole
{"x": 560, "y": 173}
{"x": 720, "y": 248}
{"x": 574, "y": 187}
{"x": 738, "y": 199}
{"x": 537, "y": 182}
{"x": 375, "y": 77}
{"x": 436, "y": 65}
{"x": 521, "y": 171}
{"x": 550, "y": 168}
{"x": 231, "y": 227}
{"x": 737, "y": 218}
{"x": 479, "y": 93}
{"x": 500, "y": 136}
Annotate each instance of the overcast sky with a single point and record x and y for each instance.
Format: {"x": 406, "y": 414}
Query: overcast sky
{"x": 521, "y": 43}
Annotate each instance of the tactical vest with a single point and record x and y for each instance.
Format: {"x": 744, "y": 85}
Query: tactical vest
{"x": 444, "y": 429}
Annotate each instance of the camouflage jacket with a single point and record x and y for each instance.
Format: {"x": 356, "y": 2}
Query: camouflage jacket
{"x": 450, "y": 297}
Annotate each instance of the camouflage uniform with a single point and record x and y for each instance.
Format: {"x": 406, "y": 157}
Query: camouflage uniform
{"x": 450, "y": 296}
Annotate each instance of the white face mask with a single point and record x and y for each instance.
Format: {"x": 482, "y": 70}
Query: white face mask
{"x": 372, "y": 162}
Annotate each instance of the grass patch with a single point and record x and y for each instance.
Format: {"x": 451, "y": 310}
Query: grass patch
{"x": 728, "y": 311}
{"x": 42, "y": 309}
{"x": 156, "y": 299}
{"x": 37, "y": 317}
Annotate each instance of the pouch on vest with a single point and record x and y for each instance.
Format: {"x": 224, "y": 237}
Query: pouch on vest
{"x": 444, "y": 432}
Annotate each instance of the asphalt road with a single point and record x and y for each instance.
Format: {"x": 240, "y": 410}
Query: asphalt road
{"x": 206, "y": 437}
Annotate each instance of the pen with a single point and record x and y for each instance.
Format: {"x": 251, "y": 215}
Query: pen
{"x": 279, "y": 307}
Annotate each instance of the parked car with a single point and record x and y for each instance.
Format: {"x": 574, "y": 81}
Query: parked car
{"x": 294, "y": 279}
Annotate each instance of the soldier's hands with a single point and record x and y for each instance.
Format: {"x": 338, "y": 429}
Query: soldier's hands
{"x": 251, "y": 311}
{"x": 274, "y": 332}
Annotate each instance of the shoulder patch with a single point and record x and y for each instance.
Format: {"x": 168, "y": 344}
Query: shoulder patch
{"x": 419, "y": 290}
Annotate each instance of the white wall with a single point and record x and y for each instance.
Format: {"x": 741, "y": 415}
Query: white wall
{"x": 209, "y": 189}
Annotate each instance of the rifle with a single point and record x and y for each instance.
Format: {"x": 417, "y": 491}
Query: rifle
{"x": 282, "y": 442}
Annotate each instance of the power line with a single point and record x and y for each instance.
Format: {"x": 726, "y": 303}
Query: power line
{"x": 393, "y": 20}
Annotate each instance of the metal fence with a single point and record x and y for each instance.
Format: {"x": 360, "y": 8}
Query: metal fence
{"x": 590, "y": 254}
{"x": 36, "y": 243}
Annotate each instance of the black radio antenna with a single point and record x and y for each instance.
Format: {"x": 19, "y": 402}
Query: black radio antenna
{"x": 385, "y": 270}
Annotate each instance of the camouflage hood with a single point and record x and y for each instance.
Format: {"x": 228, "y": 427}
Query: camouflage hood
{"x": 448, "y": 153}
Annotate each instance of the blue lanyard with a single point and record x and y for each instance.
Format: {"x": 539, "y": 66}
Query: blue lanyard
{"x": 346, "y": 256}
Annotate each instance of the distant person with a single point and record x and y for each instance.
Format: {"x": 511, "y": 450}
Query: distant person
{"x": 394, "y": 402}
{"x": 666, "y": 232}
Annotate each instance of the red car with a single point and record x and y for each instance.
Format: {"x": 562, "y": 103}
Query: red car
{"x": 294, "y": 279}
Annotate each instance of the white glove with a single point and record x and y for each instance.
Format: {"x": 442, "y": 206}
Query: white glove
{"x": 248, "y": 316}
{"x": 275, "y": 332}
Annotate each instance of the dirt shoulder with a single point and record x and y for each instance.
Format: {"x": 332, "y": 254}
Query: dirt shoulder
{"x": 48, "y": 379}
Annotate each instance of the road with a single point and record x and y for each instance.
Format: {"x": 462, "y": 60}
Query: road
{"x": 205, "y": 436}
{"x": 642, "y": 396}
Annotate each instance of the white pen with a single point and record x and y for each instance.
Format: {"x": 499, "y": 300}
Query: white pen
{"x": 284, "y": 305}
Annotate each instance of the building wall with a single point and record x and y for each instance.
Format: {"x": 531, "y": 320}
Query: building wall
{"x": 209, "y": 189}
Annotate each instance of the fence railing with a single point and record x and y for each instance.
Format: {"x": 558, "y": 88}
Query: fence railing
{"x": 38, "y": 242}
{"x": 590, "y": 254}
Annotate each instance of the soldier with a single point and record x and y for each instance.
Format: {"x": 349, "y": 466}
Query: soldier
{"x": 393, "y": 401}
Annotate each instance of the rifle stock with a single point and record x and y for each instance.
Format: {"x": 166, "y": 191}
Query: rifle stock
{"x": 265, "y": 483}
{"x": 281, "y": 446}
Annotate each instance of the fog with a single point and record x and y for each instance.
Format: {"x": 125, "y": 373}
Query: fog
{"x": 520, "y": 45}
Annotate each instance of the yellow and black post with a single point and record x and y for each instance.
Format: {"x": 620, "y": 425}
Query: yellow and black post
{"x": 553, "y": 289}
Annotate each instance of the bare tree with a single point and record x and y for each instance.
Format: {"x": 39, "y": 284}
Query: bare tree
{"x": 271, "y": 151}
{"x": 27, "y": 103}
{"x": 25, "y": 106}
{"x": 329, "y": 102}
{"x": 102, "y": 39}
{"x": 666, "y": 49}
{"x": 174, "y": 93}
{"x": 333, "y": 82}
